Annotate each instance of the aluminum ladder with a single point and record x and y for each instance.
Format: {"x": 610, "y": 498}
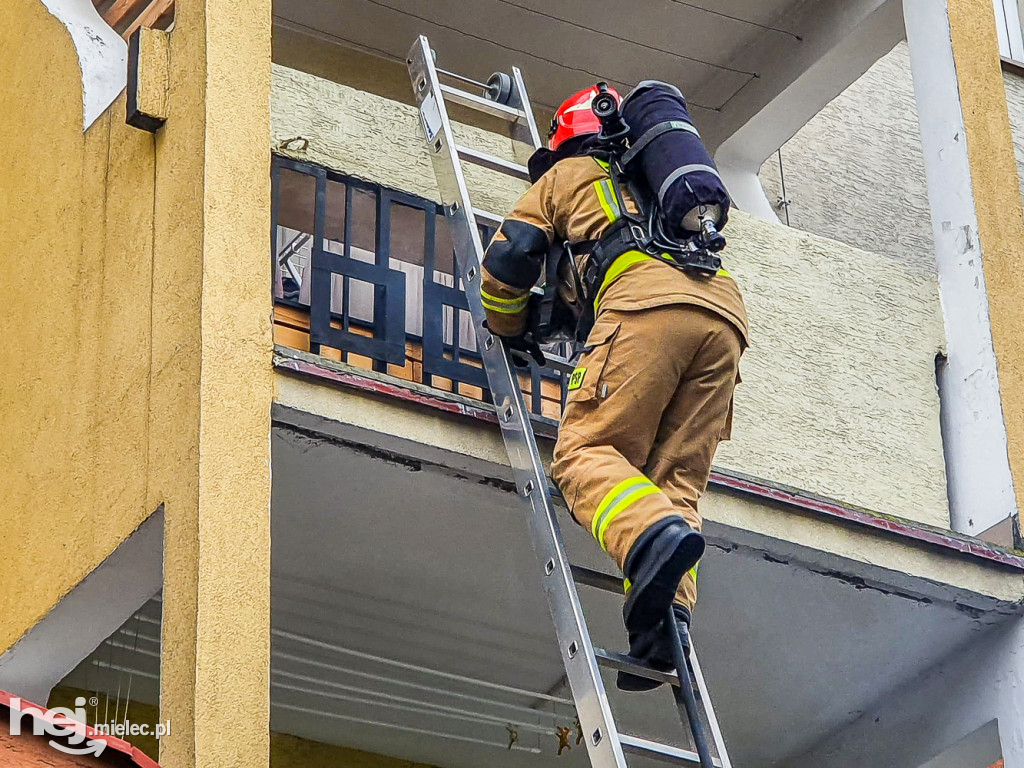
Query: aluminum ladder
{"x": 505, "y": 97}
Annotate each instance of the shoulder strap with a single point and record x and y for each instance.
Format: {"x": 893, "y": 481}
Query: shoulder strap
{"x": 654, "y": 132}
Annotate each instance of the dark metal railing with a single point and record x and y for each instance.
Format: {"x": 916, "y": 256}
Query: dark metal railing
{"x": 375, "y": 270}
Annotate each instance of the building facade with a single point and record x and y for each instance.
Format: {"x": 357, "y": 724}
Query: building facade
{"x": 265, "y": 500}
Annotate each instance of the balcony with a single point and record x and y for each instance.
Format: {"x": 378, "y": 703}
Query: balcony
{"x": 379, "y": 292}
{"x": 400, "y": 552}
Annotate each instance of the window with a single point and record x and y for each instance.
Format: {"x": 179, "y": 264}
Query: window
{"x": 1011, "y": 39}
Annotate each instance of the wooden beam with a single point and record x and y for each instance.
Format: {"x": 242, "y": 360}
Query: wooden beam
{"x": 149, "y": 16}
{"x": 121, "y": 10}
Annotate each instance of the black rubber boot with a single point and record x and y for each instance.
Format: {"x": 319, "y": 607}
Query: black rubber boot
{"x": 655, "y": 565}
{"x": 653, "y": 648}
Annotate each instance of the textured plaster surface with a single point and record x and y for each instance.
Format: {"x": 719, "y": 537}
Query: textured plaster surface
{"x": 376, "y": 139}
{"x": 839, "y": 166}
{"x": 74, "y": 395}
{"x": 213, "y": 356}
{"x": 1015, "y": 105}
{"x": 151, "y": 92}
{"x": 839, "y": 169}
{"x": 855, "y": 172}
{"x": 137, "y": 353}
{"x": 838, "y": 394}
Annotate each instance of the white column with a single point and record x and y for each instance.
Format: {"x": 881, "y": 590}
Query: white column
{"x": 746, "y": 191}
{"x": 947, "y": 711}
{"x": 980, "y": 484}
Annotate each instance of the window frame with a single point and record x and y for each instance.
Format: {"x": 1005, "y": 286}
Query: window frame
{"x": 1008, "y": 29}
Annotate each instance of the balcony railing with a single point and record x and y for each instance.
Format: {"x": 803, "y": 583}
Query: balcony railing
{"x": 366, "y": 275}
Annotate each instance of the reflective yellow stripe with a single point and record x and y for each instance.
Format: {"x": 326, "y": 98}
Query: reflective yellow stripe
{"x": 602, "y": 197}
{"x": 618, "y": 499}
{"x": 504, "y": 310}
{"x": 620, "y": 265}
{"x": 626, "y": 585}
{"x": 614, "y": 511}
{"x": 612, "y": 198}
{"x": 626, "y": 485}
{"x": 602, "y": 163}
{"x": 624, "y": 262}
{"x": 692, "y": 573}
{"x": 505, "y": 302}
{"x": 504, "y": 306}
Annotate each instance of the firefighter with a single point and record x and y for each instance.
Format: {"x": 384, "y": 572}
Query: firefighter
{"x": 653, "y": 393}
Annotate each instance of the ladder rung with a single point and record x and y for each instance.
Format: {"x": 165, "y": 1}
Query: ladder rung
{"x": 667, "y": 754}
{"x": 560, "y": 364}
{"x": 488, "y": 218}
{"x": 597, "y": 579}
{"x": 624, "y": 663}
{"x": 461, "y": 78}
{"x": 492, "y": 162}
{"x": 479, "y": 103}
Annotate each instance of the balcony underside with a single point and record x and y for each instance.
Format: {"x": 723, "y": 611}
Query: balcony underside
{"x": 432, "y": 567}
{"x": 731, "y": 58}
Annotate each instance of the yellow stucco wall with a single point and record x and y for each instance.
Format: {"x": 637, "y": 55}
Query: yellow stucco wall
{"x": 997, "y": 201}
{"x": 216, "y": 181}
{"x": 75, "y": 391}
{"x": 137, "y": 353}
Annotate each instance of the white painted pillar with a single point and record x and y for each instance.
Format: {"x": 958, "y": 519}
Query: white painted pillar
{"x": 951, "y": 705}
{"x": 102, "y": 55}
{"x": 974, "y": 433}
{"x": 746, "y": 191}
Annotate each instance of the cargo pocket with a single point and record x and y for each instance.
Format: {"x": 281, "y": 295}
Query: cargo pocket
{"x": 726, "y": 433}
{"x": 585, "y": 381}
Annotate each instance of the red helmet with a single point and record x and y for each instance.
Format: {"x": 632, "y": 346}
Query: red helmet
{"x": 575, "y": 117}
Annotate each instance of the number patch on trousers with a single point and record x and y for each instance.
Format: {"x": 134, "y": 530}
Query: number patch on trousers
{"x": 576, "y": 379}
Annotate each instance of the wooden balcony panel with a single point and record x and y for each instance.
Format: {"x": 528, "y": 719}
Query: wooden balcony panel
{"x": 291, "y": 329}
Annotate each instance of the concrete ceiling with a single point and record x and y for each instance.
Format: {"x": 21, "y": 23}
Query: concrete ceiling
{"x": 430, "y": 569}
{"x": 700, "y": 45}
{"x": 391, "y": 577}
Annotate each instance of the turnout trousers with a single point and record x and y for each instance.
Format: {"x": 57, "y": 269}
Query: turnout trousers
{"x": 646, "y": 408}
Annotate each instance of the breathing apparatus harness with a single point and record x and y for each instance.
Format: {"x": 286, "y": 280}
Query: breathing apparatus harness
{"x": 643, "y": 231}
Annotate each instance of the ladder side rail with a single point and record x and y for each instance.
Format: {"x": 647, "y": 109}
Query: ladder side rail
{"x": 520, "y": 95}
{"x": 709, "y": 710}
{"x": 592, "y": 706}
{"x": 684, "y": 695}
